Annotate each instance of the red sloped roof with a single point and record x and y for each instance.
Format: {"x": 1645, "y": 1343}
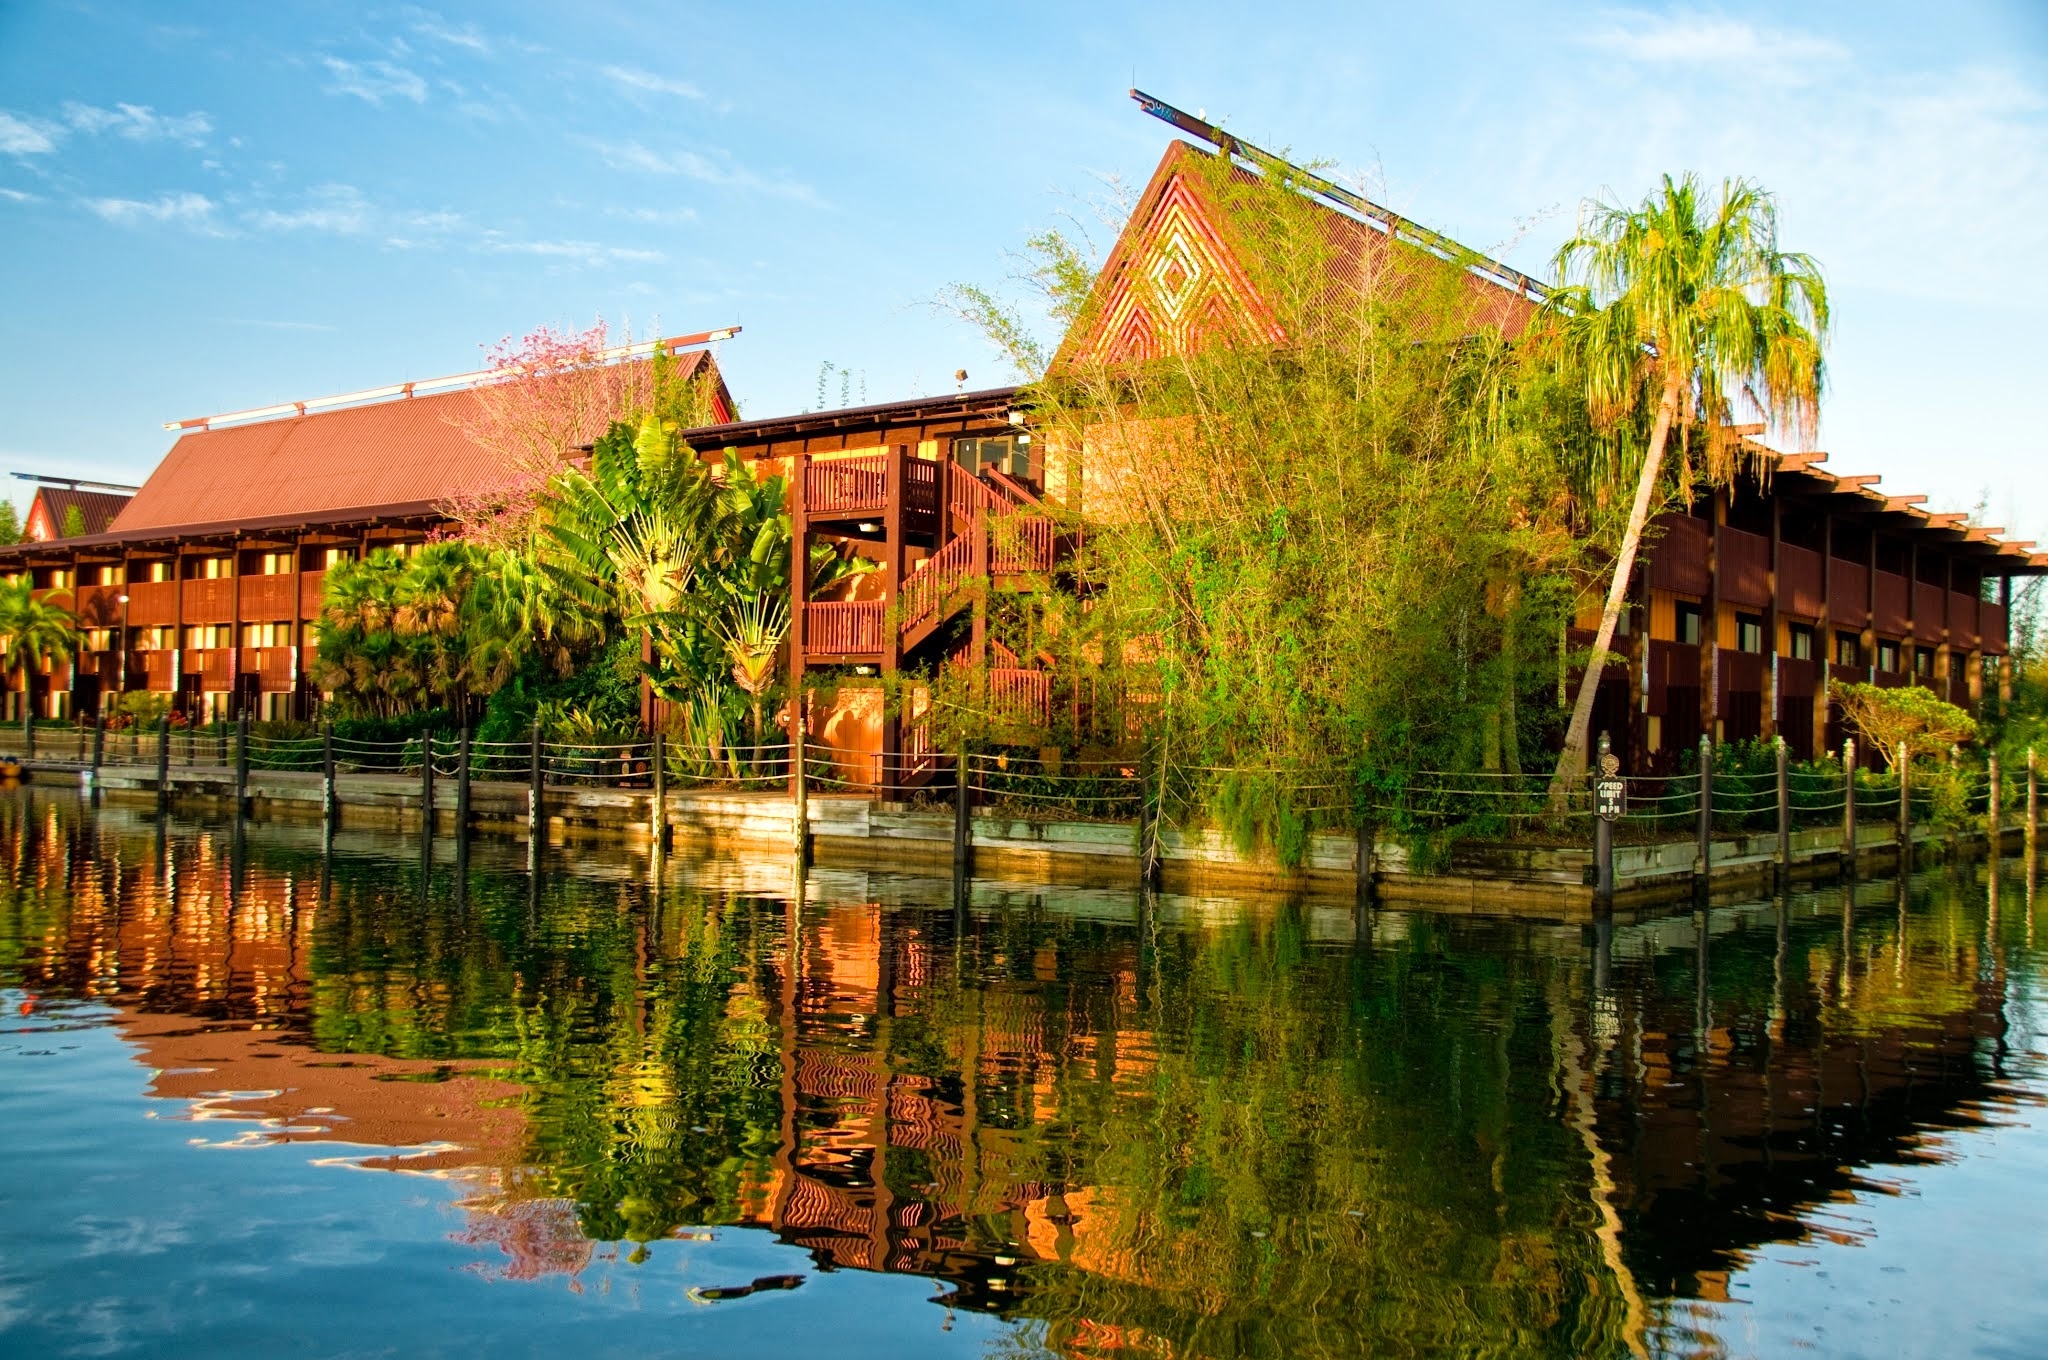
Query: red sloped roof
{"x": 406, "y": 450}
{"x": 46, "y": 512}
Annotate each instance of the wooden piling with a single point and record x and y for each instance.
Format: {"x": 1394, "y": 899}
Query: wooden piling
{"x": 963, "y": 837}
{"x": 1849, "y": 806}
{"x": 163, "y": 762}
{"x": 658, "y": 821}
{"x": 1703, "y": 854}
{"x": 462, "y": 788}
{"x": 534, "y": 807}
{"x": 1994, "y": 817}
{"x": 241, "y": 764}
{"x": 1783, "y": 873}
{"x": 1905, "y": 810}
{"x": 328, "y": 805}
{"x": 427, "y": 783}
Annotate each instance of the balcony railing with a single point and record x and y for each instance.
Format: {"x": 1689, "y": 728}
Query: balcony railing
{"x": 846, "y": 485}
{"x": 843, "y": 627}
{"x": 266, "y": 599}
{"x": 215, "y": 666}
{"x": 272, "y": 664}
{"x": 209, "y": 600}
{"x": 152, "y": 603}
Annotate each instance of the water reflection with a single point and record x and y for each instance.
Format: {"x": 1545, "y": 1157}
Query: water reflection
{"x": 1178, "y": 1126}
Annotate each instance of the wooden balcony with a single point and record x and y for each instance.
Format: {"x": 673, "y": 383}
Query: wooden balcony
{"x": 266, "y": 599}
{"x": 846, "y": 486}
{"x": 1892, "y": 604}
{"x": 1678, "y": 556}
{"x": 1849, "y": 595}
{"x": 150, "y": 670}
{"x": 209, "y": 601}
{"x": 1962, "y": 620}
{"x": 843, "y": 630}
{"x": 215, "y": 666}
{"x": 99, "y": 606}
{"x": 273, "y": 666}
{"x": 310, "y": 586}
{"x": 1745, "y": 568}
{"x": 152, "y": 603}
{"x": 1799, "y": 581}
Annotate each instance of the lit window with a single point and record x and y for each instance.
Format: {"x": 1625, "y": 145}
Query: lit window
{"x": 1848, "y": 650}
{"x": 1688, "y": 623}
{"x": 1802, "y": 641}
{"x": 1888, "y": 657}
{"x": 1923, "y": 661}
{"x": 1749, "y": 633}
{"x": 1009, "y": 453}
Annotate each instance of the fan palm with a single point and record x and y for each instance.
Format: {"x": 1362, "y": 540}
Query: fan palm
{"x": 1690, "y": 301}
{"x": 33, "y": 630}
{"x": 753, "y": 640}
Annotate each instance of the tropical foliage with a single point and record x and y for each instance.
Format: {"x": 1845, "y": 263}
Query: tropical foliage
{"x": 1908, "y": 717}
{"x": 33, "y": 629}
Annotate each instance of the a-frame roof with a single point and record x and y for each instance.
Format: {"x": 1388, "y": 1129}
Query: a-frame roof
{"x": 1174, "y": 281}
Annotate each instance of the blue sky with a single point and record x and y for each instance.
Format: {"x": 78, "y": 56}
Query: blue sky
{"x": 212, "y": 207}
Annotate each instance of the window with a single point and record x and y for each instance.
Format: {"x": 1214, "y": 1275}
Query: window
{"x": 98, "y": 639}
{"x": 213, "y": 568}
{"x": 1888, "y": 657}
{"x": 151, "y": 639}
{"x": 209, "y": 635}
{"x": 113, "y": 575}
{"x": 156, "y": 571}
{"x": 1802, "y": 641}
{"x": 275, "y": 564}
{"x": 1688, "y": 623}
{"x": 1749, "y": 633}
{"x": 1923, "y": 662}
{"x": 266, "y": 635}
{"x": 330, "y": 557}
{"x": 1009, "y": 453}
{"x": 1848, "y": 650}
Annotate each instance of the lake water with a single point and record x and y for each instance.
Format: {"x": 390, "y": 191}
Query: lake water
{"x": 260, "y": 1096}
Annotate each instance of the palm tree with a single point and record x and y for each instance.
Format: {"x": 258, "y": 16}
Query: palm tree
{"x": 1694, "y": 302}
{"x": 32, "y": 630}
{"x": 753, "y": 640}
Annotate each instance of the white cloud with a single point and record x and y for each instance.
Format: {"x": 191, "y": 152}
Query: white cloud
{"x": 27, "y": 136}
{"x": 718, "y": 170}
{"x": 665, "y": 217}
{"x": 139, "y": 123}
{"x": 375, "y": 81}
{"x": 579, "y": 252}
{"x": 1697, "y": 39}
{"x": 17, "y": 196}
{"x": 652, "y": 83}
{"x": 337, "y": 208}
{"x": 188, "y": 209}
{"x": 431, "y": 25}
{"x": 274, "y": 325}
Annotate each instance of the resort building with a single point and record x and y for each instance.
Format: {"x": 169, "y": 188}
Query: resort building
{"x": 65, "y": 508}
{"x": 205, "y": 584}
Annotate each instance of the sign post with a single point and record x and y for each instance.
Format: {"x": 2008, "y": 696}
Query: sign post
{"x": 1610, "y": 804}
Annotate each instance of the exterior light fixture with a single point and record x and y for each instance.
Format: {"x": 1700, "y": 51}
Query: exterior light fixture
{"x": 863, "y": 670}
{"x": 868, "y": 526}
{"x": 121, "y": 599}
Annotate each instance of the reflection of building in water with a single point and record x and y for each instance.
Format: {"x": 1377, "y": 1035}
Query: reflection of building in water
{"x": 944, "y": 1094}
{"x": 1832, "y": 1042}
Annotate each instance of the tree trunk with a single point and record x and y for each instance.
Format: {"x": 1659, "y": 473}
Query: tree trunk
{"x": 1571, "y": 761}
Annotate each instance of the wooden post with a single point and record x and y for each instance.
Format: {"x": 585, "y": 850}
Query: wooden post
{"x": 533, "y": 790}
{"x": 462, "y": 788}
{"x": 221, "y": 733}
{"x": 1994, "y": 817}
{"x": 800, "y": 785}
{"x": 1703, "y": 866}
{"x": 1603, "y": 836}
{"x": 1148, "y": 827}
{"x": 99, "y": 746}
{"x": 659, "y": 827}
{"x": 163, "y": 761}
{"x": 2033, "y": 803}
{"x": 327, "y": 798}
{"x": 1784, "y": 874}
{"x": 1905, "y": 810}
{"x": 427, "y": 784}
{"x": 963, "y": 830}
{"x": 241, "y": 763}
{"x": 1849, "y": 805}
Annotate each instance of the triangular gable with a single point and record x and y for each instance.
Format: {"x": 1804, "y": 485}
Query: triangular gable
{"x": 1171, "y": 283}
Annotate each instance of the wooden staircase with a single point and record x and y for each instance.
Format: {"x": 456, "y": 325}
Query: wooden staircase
{"x": 994, "y": 532}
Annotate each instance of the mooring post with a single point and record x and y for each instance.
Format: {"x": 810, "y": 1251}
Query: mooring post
{"x": 220, "y": 733}
{"x": 1603, "y": 833}
{"x": 2033, "y": 803}
{"x": 799, "y": 788}
{"x": 241, "y": 763}
{"x": 1905, "y": 811}
{"x": 1703, "y": 862}
{"x": 28, "y": 724}
{"x": 533, "y": 793}
{"x": 99, "y": 750}
{"x": 163, "y": 761}
{"x": 1849, "y": 805}
{"x": 427, "y": 784}
{"x": 963, "y": 827}
{"x": 1784, "y": 870}
{"x": 658, "y": 825}
{"x": 462, "y": 788}
{"x": 1994, "y": 815}
{"x": 327, "y": 797}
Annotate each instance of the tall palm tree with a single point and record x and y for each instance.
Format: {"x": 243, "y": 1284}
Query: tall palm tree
{"x": 1688, "y": 302}
{"x": 32, "y": 630}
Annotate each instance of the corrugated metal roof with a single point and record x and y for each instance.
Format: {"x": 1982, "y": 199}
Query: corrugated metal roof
{"x": 383, "y": 453}
{"x": 46, "y": 512}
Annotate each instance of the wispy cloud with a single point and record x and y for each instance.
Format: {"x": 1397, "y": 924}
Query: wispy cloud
{"x": 638, "y": 79}
{"x": 27, "y": 136}
{"x": 337, "y": 208}
{"x": 196, "y": 211}
{"x": 718, "y": 169}
{"x": 664, "y": 217}
{"x": 139, "y": 123}
{"x": 273, "y": 325}
{"x": 375, "y": 81}
{"x": 431, "y": 25}
{"x": 17, "y": 196}
{"x": 579, "y": 252}
{"x": 1701, "y": 39}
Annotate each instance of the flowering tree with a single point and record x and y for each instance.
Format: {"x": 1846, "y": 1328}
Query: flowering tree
{"x": 556, "y": 392}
